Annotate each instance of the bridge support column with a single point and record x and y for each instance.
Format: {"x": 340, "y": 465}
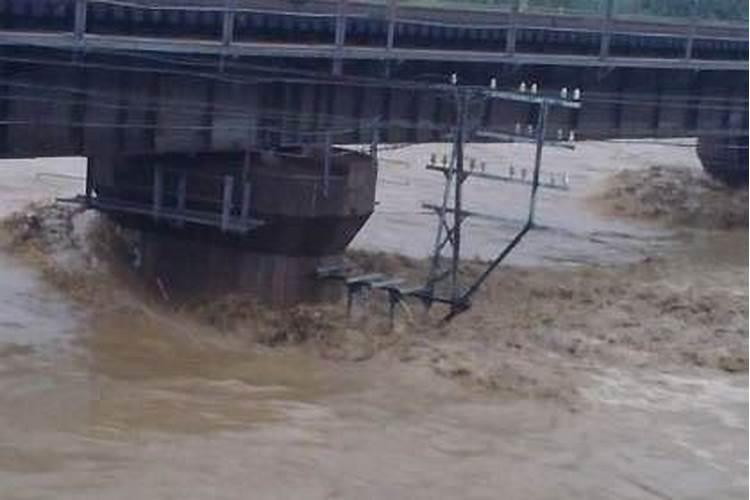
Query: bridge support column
{"x": 693, "y": 28}
{"x": 606, "y": 31}
{"x": 725, "y": 159}
{"x": 391, "y": 35}
{"x": 340, "y": 37}
{"x": 79, "y": 28}
{"x": 250, "y": 222}
{"x": 192, "y": 269}
{"x": 512, "y": 29}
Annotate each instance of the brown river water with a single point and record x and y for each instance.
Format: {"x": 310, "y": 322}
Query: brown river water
{"x": 133, "y": 401}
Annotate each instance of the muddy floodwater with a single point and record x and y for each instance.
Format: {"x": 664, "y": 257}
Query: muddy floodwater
{"x": 131, "y": 399}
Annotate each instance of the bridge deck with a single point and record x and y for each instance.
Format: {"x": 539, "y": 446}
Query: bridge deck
{"x": 103, "y": 78}
{"x": 330, "y": 51}
{"x": 341, "y": 31}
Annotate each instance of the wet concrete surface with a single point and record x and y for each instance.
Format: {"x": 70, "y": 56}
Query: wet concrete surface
{"x": 139, "y": 402}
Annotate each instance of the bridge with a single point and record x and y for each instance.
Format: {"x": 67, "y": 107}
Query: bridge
{"x": 199, "y": 115}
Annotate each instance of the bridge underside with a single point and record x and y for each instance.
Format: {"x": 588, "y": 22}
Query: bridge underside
{"x": 55, "y": 103}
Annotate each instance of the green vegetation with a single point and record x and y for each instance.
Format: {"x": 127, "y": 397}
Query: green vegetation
{"x": 730, "y": 10}
{"x": 722, "y": 10}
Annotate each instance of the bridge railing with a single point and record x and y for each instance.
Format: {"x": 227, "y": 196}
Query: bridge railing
{"x": 733, "y": 12}
{"x": 703, "y": 12}
{"x": 604, "y": 28}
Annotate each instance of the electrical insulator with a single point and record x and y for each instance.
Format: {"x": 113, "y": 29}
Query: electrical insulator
{"x": 564, "y": 93}
{"x": 493, "y": 83}
{"x": 454, "y": 79}
{"x": 577, "y": 95}
{"x": 534, "y": 88}
{"x": 522, "y": 88}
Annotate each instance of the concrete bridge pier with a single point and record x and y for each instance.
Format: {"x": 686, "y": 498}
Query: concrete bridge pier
{"x": 725, "y": 158}
{"x": 194, "y": 269}
{"x": 252, "y": 222}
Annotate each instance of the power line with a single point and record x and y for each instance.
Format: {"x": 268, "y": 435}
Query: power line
{"x": 286, "y": 75}
{"x": 213, "y": 109}
{"x": 325, "y": 77}
{"x": 186, "y": 108}
{"x": 667, "y": 101}
{"x": 310, "y": 77}
{"x": 217, "y": 76}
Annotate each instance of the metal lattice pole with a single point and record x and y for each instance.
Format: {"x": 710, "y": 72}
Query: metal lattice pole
{"x": 461, "y": 105}
{"x": 436, "y": 272}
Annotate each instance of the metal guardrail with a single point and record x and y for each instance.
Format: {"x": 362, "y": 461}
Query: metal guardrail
{"x": 709, "y": 12}
{"x": 509, "y": 17}
{"x": 704, "y": 12}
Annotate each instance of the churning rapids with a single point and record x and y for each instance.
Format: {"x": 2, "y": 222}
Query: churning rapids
{"x": 608, "y": 361}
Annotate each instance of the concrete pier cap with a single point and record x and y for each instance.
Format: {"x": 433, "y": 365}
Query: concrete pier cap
{"x": 259, "y": 222}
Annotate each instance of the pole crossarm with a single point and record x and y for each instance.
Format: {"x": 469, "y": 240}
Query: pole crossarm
{"x": 452, "y": 216}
